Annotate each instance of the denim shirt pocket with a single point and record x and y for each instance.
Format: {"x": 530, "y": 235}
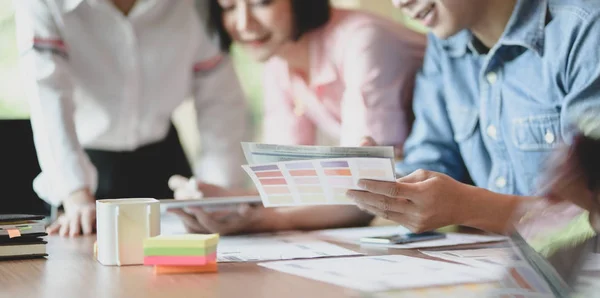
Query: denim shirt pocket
{"x": 464, "y": 122}
{"x": 537, "y": 133}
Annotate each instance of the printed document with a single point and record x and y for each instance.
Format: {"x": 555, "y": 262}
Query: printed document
{"x": 383, "y": 273}
{"x": 270, "y": 247}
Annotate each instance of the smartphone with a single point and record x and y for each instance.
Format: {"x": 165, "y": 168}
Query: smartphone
{"x": 403, "y": 238}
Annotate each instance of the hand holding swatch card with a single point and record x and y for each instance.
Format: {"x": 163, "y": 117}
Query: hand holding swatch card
{"x": 315, "y": 182}
{"x": 298, "y": 175}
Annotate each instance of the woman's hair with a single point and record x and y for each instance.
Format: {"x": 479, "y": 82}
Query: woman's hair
{"x": 308, "y": 15}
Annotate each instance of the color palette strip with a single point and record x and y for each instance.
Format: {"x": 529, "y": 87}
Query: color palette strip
{"x": 316, "y": 182}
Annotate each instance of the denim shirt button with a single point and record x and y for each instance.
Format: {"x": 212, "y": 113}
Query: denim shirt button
{"x": 501, "y": 182}
{"x": 491, "y": 77}
{"x": 549, "y": 137}
{"x": 492, "y": 132}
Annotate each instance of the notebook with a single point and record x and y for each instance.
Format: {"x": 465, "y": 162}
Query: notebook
{"x": 24, "y": 228}
{"x": 20, "y": 250}
{"x": 21, "y": 236}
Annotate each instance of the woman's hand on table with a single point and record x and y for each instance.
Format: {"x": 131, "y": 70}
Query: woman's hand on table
{"x": 79, "y": 217}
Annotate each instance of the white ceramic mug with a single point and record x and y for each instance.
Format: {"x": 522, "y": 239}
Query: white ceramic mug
{"x": 121, "y": 226}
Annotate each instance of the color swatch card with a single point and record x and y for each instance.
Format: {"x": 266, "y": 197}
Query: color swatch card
{"x": 316, "y": 182}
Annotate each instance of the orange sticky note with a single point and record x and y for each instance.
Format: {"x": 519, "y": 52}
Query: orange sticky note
{"x": 211, "y": 267}
{"x": 12, "y": 233}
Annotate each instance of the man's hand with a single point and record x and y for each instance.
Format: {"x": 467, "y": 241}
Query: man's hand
{"x": 422, "y": 201}
{"x": 79, "y": 216}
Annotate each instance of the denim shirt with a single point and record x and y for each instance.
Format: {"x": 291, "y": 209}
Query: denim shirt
{"x": 495, "y": 117}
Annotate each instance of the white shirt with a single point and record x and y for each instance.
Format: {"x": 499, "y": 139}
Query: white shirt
{"x": 97, "y": 79}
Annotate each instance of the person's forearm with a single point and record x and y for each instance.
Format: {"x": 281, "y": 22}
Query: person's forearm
{"x": 489, "y": 211}
{"x": 310, "y": 218}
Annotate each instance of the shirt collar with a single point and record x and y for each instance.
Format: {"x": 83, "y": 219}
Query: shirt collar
{"x": 322, "y": 69}
{"x": 70, "y": 5}
{"x": 526, "y": 25}
{"x": 525, "y": 28}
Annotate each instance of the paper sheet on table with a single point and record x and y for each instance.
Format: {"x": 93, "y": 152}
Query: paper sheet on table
{"x": 515, "y": 279}
{"x": 353, "y": 236}
{"x": 256, "y": 248}
{"x": 451, "y": 291}
{"x": 494, "y": 259}
{"x": 257, "y": 153}
{"x": 381, "y": 273}
{"x": 317, "y": 181}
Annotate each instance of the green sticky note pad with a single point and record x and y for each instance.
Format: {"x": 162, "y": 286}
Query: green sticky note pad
{"x": 179, "y": 251}
{"x": 186, "y": 240}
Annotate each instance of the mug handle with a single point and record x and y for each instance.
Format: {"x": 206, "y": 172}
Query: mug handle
{"x": 117, "y": 246}
{"x": 148, "y": 221}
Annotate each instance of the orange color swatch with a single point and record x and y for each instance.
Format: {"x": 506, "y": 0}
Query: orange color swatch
{"x": 303, "y": 173}
{"x": 338, "y": 172}
{"x": 273, "y": 174}
{"x": 277, "y": 181}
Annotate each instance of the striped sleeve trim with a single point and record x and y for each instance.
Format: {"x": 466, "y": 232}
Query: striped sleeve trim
{"x": 55, "y": 46}
{"x": 208, "y": 65}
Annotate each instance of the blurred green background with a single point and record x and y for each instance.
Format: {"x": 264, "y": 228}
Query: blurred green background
{"x": 13, "y": 104}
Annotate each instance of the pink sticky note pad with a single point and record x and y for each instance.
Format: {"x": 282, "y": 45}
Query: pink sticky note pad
{"x": 180, "y": 260}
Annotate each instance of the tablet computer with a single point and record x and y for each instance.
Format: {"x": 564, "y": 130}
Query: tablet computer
{"x": 210, "y": 202}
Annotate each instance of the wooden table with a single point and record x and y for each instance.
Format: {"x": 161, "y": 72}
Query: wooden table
{"x": 71, "y": 271}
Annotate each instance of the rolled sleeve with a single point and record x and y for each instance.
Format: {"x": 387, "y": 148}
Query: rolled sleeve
{"x": 222, "y": 118}
{"x": 45, "y": 74}
{"x": 582, "y": 77}
{"x": 431, "y": 144}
